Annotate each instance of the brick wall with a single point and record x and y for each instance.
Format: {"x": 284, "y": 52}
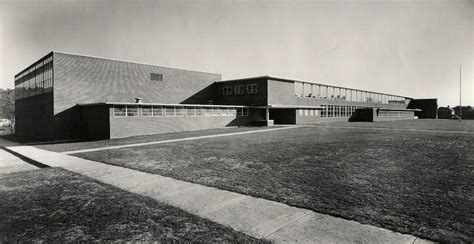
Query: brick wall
{"x": 95, "y": 122}
{"x": 81, "y": 79}
{"x": 134, "y": 126}
{"x": 34, "y": 116}
{"x": 256, "y": 99}
{"x": 282, "y": 92}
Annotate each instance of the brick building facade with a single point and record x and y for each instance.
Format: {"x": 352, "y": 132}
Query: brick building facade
{"x": 68, "y": 96}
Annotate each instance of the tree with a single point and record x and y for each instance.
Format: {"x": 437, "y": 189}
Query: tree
{"x": 7, "y": 106}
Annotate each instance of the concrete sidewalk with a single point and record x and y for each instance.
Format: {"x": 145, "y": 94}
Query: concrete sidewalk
{"x": 178, "y": 140}
{"x": 10, "y": 163}
{"x": 255, "y": 216}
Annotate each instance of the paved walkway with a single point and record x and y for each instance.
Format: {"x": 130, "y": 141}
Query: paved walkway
{"x": 10, "y": 163}
{"x": 178, "y": 140}
{"x": 255, "y": 216}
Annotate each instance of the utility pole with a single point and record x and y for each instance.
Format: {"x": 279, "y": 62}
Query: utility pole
{"x": 460, "y": 94}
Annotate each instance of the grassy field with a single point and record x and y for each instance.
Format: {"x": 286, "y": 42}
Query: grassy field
{"x": 424, "y": 124}
{"x": 62, "y": 147}
{"x": 52, "y": 204}
{"x": 413, "y": 182}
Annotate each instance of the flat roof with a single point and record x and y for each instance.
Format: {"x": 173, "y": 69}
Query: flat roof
{"x": 124, "y": 61}
{"x": 310, "y": 82}
{"x": 160, "y": 104}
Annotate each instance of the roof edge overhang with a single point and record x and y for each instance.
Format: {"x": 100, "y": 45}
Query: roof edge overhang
{"x": 268, "y": 77}
{"x": 159, "y": 104}
{"x": 401, "y": 109}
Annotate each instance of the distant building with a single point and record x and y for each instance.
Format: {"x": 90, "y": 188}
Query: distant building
{"x": 66, "y": 96}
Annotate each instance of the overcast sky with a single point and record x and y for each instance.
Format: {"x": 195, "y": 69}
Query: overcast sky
{"x": 409, "y": 48}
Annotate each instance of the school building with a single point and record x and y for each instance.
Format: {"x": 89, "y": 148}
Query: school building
{"x": 70, "y": 96}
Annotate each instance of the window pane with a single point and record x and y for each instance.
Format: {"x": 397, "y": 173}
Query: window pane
{"x": 232, "y": 111}
{"x": 179, "y": 111}
{"x": 240, "y": 111}
{"x": 119, "y": 111}
{"x": 157, "y": 110}
{"x": 215, "y": 111}
{"x": 298, "y": 88}
{"x": 208, "y": 111}
{"x": 245, "y": 112}
{"x": 190, "y": 111}
{"x": 132, "y": 111}
{"x": 224, "y": 111}
{"x": 146, "y": 111}
{"x": 199, "y": 111}
{"x": 169, "y": 111}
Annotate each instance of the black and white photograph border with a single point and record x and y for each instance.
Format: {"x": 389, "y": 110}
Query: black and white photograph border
{"x": 275, "y": 121}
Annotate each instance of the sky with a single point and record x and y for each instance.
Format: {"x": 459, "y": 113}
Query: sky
{"x": 408, "y": 48}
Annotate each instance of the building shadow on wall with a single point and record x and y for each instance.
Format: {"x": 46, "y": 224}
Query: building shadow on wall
{"x": 204, "y": 96}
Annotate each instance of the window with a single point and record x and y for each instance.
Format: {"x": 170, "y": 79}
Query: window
{"x": 232, "y": 111}
{"x": 190, "y": 111}
{"x": 169, "y": 111}
{"x": 245, "y": 112}
{"x": 251, "y": 88}
{"x": 227, "y": 90}
{"x": 147, "y": 111}
{"x": 199, "y": 111}
{"x": 208, "y": 111}
{"x": 316, "y": 112}
{"x": 179, "y": 111}
{"x": 120, "y": 111}
{"x": 298, "y": 89}
{"x": 311, "y": 112}
{"x": 239, "y": 89}
{"x": 324, "y": 111}
{"x": 307, "y": 90}
{"x": 156, "y": 77}
{"x": 330, "y": 110}
{"x": 239, "y": 111}
{"x": 132, "y": 111}
{"x": 306, "y": 112}
{"x": 224, "y": 111}
{"x": 300, "y": 112}
{"x": 157, "y": 111}
{"x": 215, "y": 111}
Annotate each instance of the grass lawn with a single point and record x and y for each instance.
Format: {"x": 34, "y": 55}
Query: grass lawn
{"x": 53, "y": 204}
{"x": 62, "y": 147}
{"x": 422, "y": 124}
{"x": 419, "y": 183}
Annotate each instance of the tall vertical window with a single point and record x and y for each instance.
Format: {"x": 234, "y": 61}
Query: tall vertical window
{"x": 324, "y": 111}
{"x": 35, "y": 80}
{"x": 298, "y": 89}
